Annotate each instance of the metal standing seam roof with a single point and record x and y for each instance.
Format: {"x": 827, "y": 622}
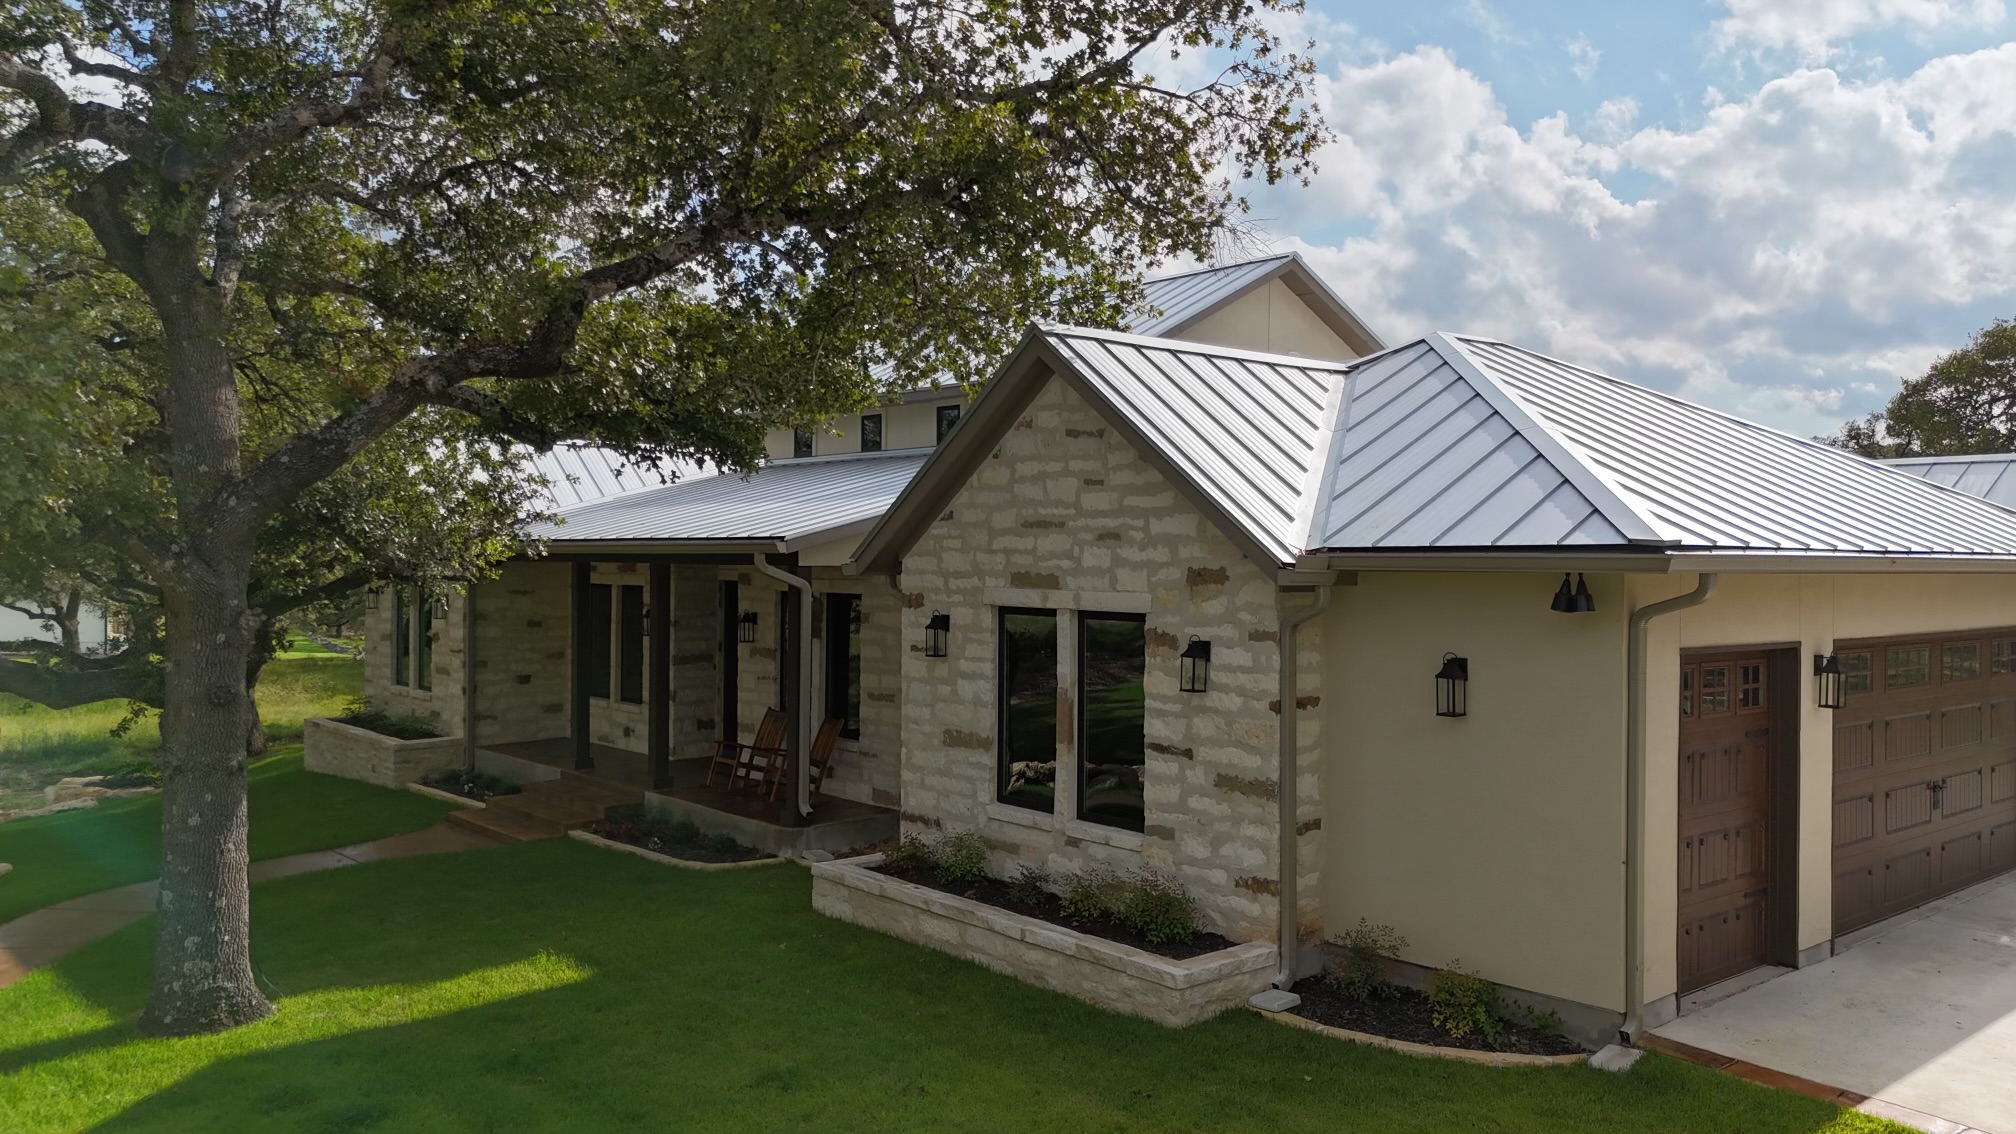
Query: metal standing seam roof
{"x": 783, "y": 502}
{"x": 1169, "y": 302}
{"x": 582, "y": 474}
{"x": 1991, "y": 476}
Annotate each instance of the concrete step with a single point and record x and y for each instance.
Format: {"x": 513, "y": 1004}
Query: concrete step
{"x": 548, "y": 807}
{"x": 573, "y": 785}
{"x": 506, "y": 826}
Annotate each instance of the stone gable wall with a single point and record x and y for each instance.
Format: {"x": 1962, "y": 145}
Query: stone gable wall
{"x": 1066, "y": 514}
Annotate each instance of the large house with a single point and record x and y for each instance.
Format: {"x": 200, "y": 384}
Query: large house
{"x": 1609, "y": 695}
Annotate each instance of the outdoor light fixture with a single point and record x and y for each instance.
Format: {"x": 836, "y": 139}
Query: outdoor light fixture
{"x": 1452, "y": 686}
{"x": 1575, "y": 600}
{"x": 1195, "y": 666}
{"x": 1827, "y": 681}
{"x": 438, "y": 608}
{"x": 935, "y": 632}
{"x": 747, "y": 630}
{"x": 371, "y": 599}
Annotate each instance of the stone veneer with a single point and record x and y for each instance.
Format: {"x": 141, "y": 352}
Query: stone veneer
{"x": 1066, "y": 514}
{"x": 441, "y": 705}
{"x": 337, "y": 749}
{"x": 522, "y": 619}
{"x": 866, "y": 768}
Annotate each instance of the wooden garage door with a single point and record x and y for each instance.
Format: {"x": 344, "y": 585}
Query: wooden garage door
{"x": 1924, "y": 771}
{"x": 1725, "y": 794}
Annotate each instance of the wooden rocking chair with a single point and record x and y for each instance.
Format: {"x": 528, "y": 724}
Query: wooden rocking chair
{"x": 824, "y": 742}
{"x": 754, "y": 764}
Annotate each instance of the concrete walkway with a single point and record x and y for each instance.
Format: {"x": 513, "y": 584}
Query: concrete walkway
{"x": 1918, "y": 1013}
{"x": 33, "y": 940}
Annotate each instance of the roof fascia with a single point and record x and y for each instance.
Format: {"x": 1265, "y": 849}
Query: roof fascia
{"x": 1576, "y": 471}
{"x": 1634, "y": 562}
{"x": 1796, "y": 563}
{"x": 1329, "y": 306}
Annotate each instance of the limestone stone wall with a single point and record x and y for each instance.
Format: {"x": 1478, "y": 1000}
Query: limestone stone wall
{"x": 866, "y": 768}
{"x": 1067, "y": 515}
{"x": 337, "y": 749}
{"x": 441, "y": 705}
{"x": 756, "y": 662}
{"x": 696, "y": 643}
{"x": 522, "y": 619}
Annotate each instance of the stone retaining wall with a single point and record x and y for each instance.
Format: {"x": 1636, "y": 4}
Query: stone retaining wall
{"x": 337, "y": 749}
{"x": 1116, "y": 977}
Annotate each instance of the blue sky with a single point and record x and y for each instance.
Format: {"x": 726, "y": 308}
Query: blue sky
{"x": 1776, "y": 207}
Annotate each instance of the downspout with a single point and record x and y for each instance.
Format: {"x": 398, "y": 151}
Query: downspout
{"x": 1290, "y": 928}
{"x": 1634, "y": 799}
{"x": 803, "y": 780}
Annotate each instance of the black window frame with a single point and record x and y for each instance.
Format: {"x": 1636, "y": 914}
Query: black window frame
{"x": 1004, "y": 749}
{"x": 948, "y": 419}
{"x": 423, "y": 641}
{"x": 866, "y": 445}
{"x": 801, "y": 443}
{"x": 601, "y": 643}
{"x": 843, "y": 662}
{"x": 1083, "y": 732}
{"x": 402, "y": 637}
{"x": 630, "y": 644}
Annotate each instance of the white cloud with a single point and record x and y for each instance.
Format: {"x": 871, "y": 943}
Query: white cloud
{"x": 1583, "y": 56}
{"x": 1496, "y": 28}
{"x": 1796, "y": 247}
{"x": 1814, "y": 28}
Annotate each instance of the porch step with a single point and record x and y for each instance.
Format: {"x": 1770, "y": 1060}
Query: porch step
{"x": 566, "y": 811}
{"x": 506, "y": 826}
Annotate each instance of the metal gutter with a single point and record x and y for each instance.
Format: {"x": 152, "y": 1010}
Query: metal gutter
{"x": 1634, "y": 799}
{"x": 802, "y": 781}
{"x": 1290, "y": 926}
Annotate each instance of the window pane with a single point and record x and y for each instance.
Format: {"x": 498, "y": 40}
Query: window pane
{"x": 2004, "y": 657}
{"x": 801, "y": 442}
{"x": 601, "y": 596}
{"x": 843, "y": 662}
{"x": 630, "y": 686}
{"x": 1714, "y": 689}
{"x": 871, "y": 432}
{"x": 402, "y": 637}
{"x": 1112, "y": 658}
{"x": 1750, "y": 685}
{"x": 1858, "y": 672}
{"x": 948, "y": 416}
{"x": 1687, "y": 692}
{"x": 1960, "y": 661}
{"x": 423, "y": 640}
{"x": 1027, "y": 741}
{"x": 1906, "y": 666}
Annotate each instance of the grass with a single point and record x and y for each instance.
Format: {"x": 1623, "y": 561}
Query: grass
{"x": 39, "y": 746}
{"x": 68, "y": 855}
{"x": 555, "y": 987}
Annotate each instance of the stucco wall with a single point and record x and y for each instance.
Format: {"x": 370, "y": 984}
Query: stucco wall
{"x": 1066, "y": 515}
{"x": 1269, "y": 318}
{"x": 442, "y": 705}
{"x": 1810, "y": 612}
{"x": 909, "y": 425}
{"x": 1495, "y": 838}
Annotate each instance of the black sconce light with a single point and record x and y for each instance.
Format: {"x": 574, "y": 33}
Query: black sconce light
{"x": 936, "y": 630}
{"x": 746, "y": 630}
{"x": 1194, "y": 674}
{"x": 438, "y": 608}
{"x": 371, "y": 599}
{"x": 1452, "y": 687}
{"x": 1827, "y": 686}
{"x": 1576, "y": 600}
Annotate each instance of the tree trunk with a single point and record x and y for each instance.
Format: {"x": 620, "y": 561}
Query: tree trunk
{"x": 255, "y": 729}
{"x": 202, "y": 938}
{"x": 68, "y": 621}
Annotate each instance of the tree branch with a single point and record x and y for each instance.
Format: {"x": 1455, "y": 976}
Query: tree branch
{"x": 59, "y": 687}
{"x": 295, "y": 123}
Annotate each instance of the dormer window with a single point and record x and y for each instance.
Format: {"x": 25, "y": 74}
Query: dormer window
{"x": 801, "y": 442}
{"x": 948, "y": 416}
{"x": 871, "y": 432}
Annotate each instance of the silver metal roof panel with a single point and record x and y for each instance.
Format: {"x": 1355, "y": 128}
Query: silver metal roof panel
{"x": 582, "y": 474}
{"x": 1991, "y": 476}
{"x": 1171, "y": 301}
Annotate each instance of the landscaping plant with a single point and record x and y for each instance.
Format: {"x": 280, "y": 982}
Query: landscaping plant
{"x": 1358, "y": 969}
{"x": 1031, "y": 885}
{"x": 1463, "y": 1004}
{"x": 1095, "y": 892}
{"x": 960, "y": 859}
{"x": 1159, "y": 908}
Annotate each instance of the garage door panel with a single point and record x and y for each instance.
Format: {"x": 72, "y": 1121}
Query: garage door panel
{"x": 1907, "y": 879}
{"x": 2002, "y": 782}
{"x": 1906, "y": 808}
{"x": 1963, "y": 794}
{"x": 2000, "y": 853}
{"x": 1960, "y": 726}
{"x": 2002, "y": 719}
{"x": 1854, "y": 820}
{"x": 1961, "y": 860}
{"x": 1856, "y": 894}
{"x": 1854, "y": 747}
{"x": 1907, "y": 737}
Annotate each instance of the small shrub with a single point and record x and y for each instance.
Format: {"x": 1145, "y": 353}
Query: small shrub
{"x": 1094, "y": 893}
{"x": 1159, "y": 908}
{"x": 1464, "y": 1004}
{"x": 399, "y": 727}
{"x": 911, "y": 852}
{"x": 723, "y": 844}
{"x": 1544, "y": 1021}
{"x": 960, "y": 859}
{"x": 478, "y": 786}
{"x": 1031, "y": 885}
{"x": 1359, "y": 971}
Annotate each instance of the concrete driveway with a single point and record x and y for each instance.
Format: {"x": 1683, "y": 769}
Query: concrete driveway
{"x": 1917, "y": 1012}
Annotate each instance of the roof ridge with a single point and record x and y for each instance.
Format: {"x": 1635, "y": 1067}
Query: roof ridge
{"x": 1219, "y": 267}
{"x": 1188, "y": 346}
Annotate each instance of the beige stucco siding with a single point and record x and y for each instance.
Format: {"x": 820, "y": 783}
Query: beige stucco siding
{"x": 1496, "y": 838}
{"x": 910, "y": 425}
{"x": 1269, "y": 318}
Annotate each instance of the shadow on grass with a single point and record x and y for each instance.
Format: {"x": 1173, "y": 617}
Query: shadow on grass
{"x": 721, "y": 1002}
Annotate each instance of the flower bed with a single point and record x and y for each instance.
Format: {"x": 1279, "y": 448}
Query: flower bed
{"x": 1405, "y": 1014}
{"x": 336, "y": 748}
{"x": 472, "y": 785}
{"x": 1105, "y": 973}
{"x": 674, "y": 839}
{"x": 1045, "y": 906}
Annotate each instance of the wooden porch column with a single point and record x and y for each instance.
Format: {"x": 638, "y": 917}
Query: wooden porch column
{"x": 658, "y": 694}
{"x": 577, "y": 662}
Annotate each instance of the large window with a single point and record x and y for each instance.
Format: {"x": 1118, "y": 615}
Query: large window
{"x": 601, "y": 599}
{"x": 843, "y": 662}
{"x": 871, "y": 432}
{"x": 402, "y": 636}
{"x": 423, "y": 640}
{"x": 1026, "y": 743}
{"x": 630, "y": 646}
{"x": 1112, "y": 750}
{"x": 948, "y": 416}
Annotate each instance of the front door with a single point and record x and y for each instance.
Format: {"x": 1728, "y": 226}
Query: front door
{"x": 1725, "y": 789}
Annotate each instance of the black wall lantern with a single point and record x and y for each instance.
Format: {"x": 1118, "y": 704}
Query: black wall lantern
{"x": 1452, "y": 686}
{"x": 1195, "y": 666}
{"x": 1827, "y": 681}
{"x": 1575, "y": 600}
{"x": 936, "y": 630}
{"x": 746, "y": 630}
{"x": 371, "y": 599}
{"x": 438, "y": 608}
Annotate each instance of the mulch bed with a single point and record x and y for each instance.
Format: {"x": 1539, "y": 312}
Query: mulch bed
{"x": 673, "y": 840}
{"x": 995, "y": 892}
{"x": 1405, "y": 1016}
{"x": 478, "y": 787}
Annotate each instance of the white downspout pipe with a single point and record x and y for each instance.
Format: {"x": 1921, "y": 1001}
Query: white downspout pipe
{"x": 1634, "y": 799}
{"x": 803, "y": 724}
{"x": 1290, "y": 927}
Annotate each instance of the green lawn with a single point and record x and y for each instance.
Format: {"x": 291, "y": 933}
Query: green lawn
{"x": 553, "y": 987}
{"x": 39, "y": 746}
{"x": 74, "y": 853}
